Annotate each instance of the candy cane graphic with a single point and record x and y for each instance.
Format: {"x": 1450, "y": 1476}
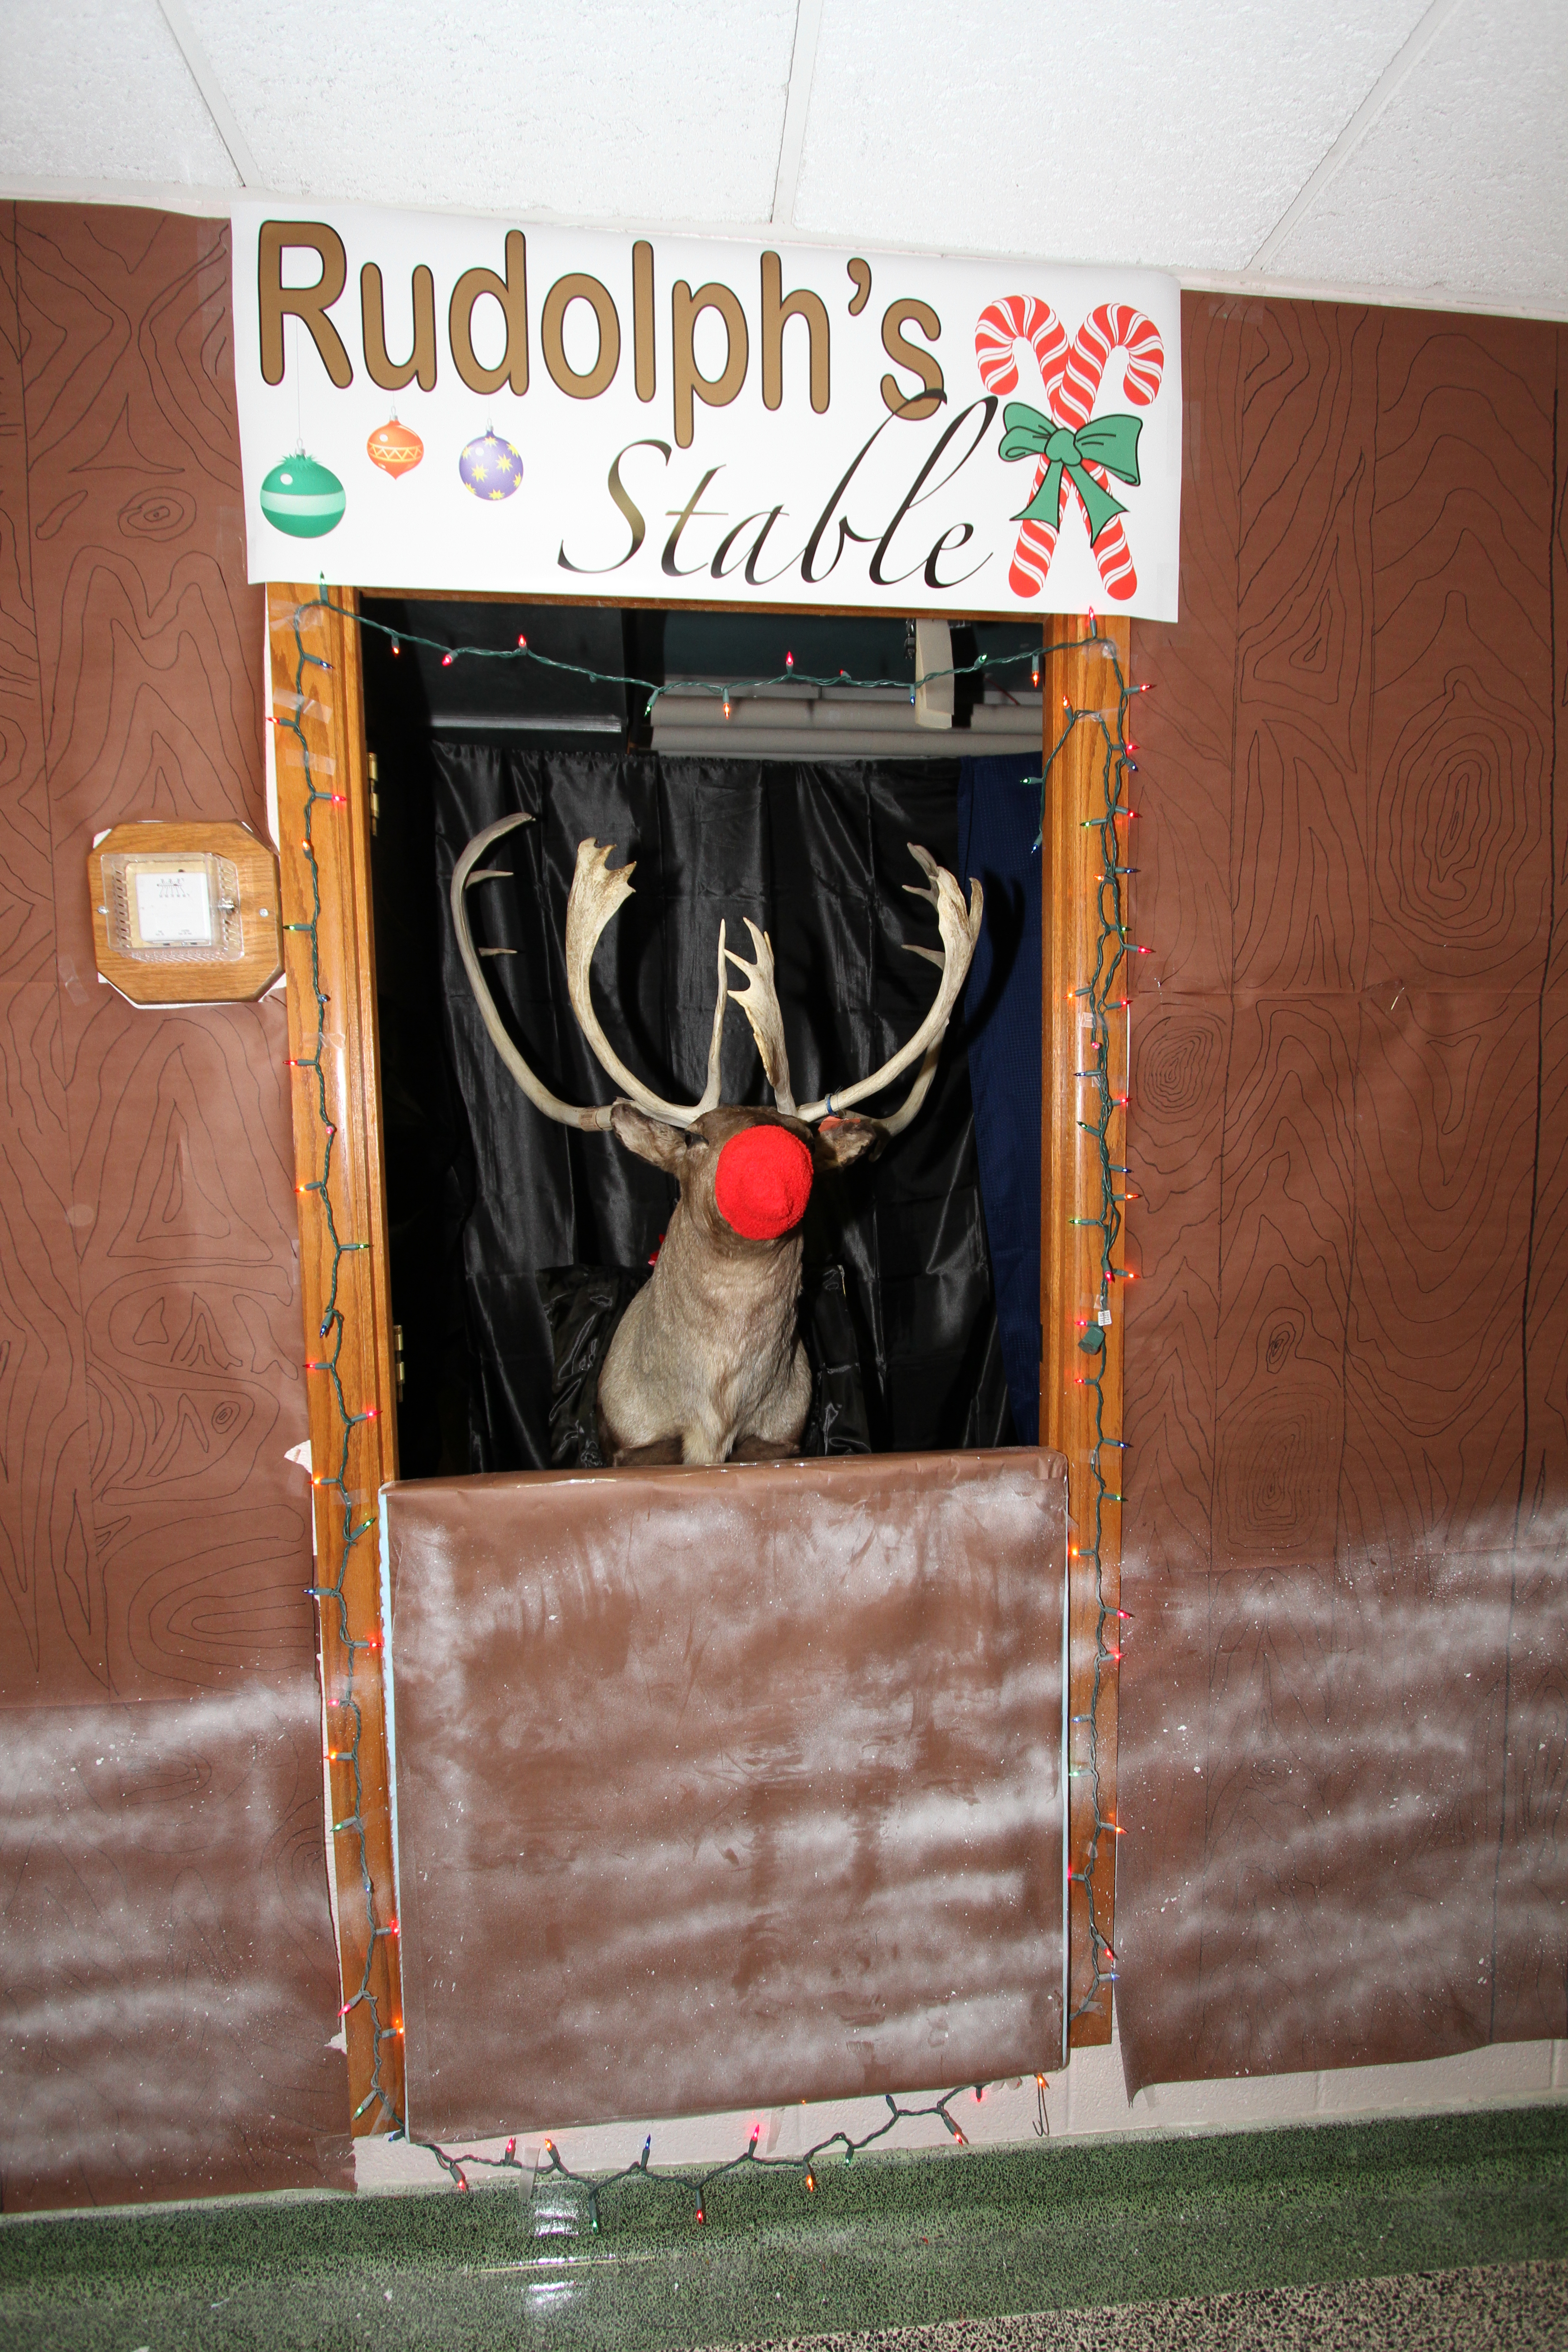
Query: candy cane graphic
{"x": 1115, "y": 326}
{"x": 1023, "y": 318}
{"x": 1071, "y": 378}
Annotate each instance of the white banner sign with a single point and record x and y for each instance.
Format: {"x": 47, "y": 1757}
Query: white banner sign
{"x": 435, "y": 401}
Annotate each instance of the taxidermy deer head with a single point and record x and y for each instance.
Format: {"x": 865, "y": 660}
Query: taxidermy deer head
{"x": 707, "y": 1365}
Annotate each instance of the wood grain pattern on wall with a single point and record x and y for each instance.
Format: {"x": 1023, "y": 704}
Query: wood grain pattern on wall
{"x": 190, "y": 1287}
{"x": 1461, "y": 898}
{"x": 50, "y": 1594}
{"x": 1344, "y": 1713}
{"x": 1182, "y": 1019}
{"x": 1183, "y": 842}
{"x": 56, "y": 1637}
{"x": 1286, "y": 1210}
{"x": 156, "y": 1542}
{"x": 1461, "y": 730}
{"x": 1303, "y": 668}
{"x": 26, "y": 879}
{"x": 182, "y": 1212}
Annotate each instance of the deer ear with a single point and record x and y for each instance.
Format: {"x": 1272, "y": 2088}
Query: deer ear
{"x": 838, "y": 1141}
{"x": 649, "y": 1138}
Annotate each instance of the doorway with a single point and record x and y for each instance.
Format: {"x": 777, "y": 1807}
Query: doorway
{"x": 779, "y": 776}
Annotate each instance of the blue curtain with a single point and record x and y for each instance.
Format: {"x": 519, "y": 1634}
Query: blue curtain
{"x": 998, "y": 817}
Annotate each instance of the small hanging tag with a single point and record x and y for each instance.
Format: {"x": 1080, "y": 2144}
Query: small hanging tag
{"x": 1105, "y": 1319}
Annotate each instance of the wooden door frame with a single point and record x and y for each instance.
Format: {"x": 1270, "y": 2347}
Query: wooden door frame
{"x": 316, "y": 709}
{"x": 317, "y": 712}
{"x": 1084, "y": 1045}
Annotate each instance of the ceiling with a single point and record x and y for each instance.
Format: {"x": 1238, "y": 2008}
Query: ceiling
{"x": 1403, "y": 152}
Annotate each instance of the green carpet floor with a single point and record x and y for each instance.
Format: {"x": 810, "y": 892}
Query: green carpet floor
{"x": 1264, "y": 2238}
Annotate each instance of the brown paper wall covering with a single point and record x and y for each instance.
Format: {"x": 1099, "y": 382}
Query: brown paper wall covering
{"x": 718, "y": 1786}
{"x": 1345, "y": 1750}
{"x": 1344, "y": 1696}
{"x": 165, "y": 1944}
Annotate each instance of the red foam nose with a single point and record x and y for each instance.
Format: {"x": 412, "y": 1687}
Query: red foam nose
{"x": 763, "y": 1182}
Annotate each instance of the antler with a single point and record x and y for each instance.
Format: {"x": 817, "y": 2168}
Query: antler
{"x": 759, "y": 1001}
{"x": 596, "y": 894}
{"x": 582, "y": 910}
{"x": 464, "y": 873}
{"x": 959, "y": 926}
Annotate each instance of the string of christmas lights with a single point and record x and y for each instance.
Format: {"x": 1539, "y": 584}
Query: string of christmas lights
{"x": 347, "y": 1706}
{"x": 1118, "y": 763}
{"x": 725, "y": 695}
{"x": 696, "y": 2186}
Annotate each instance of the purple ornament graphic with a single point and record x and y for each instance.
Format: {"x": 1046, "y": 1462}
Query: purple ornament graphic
{"x": 490, "y": 468}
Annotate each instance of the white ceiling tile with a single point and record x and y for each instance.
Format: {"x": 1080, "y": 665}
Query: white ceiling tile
{"x": 600, "y": 109}
{"x": 1175, "y": 135}
{"x": 97, "y": 90}
{"x": 1137, "y": 133}
{"x": 1461, "y": 183}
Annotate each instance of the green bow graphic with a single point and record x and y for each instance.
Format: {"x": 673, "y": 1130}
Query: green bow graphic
{"x": 1109, "y": 441}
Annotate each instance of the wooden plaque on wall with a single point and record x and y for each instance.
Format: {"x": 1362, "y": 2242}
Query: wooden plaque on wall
{"x": 155, "y": 971}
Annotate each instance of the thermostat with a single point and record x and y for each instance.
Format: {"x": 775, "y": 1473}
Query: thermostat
{"x": 153, "y": 904}
{"x": 185, "y": 914}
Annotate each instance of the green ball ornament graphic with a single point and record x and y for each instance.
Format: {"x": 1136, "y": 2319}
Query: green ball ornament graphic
{"x": 302, "y": 497}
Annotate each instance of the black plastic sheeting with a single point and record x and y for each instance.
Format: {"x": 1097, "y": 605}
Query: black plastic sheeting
{"x": 816, "y": 856}
{"x": 999, "y": 824}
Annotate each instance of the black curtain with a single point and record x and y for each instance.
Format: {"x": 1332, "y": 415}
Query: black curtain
{"x": 999, "y": 824}
{"x": 817, "y": 857}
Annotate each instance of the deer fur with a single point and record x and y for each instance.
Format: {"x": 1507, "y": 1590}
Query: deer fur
{"x": 707, "y": 1365}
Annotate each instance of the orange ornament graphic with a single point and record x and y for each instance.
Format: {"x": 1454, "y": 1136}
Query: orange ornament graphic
{"x": 395, "y": 448}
